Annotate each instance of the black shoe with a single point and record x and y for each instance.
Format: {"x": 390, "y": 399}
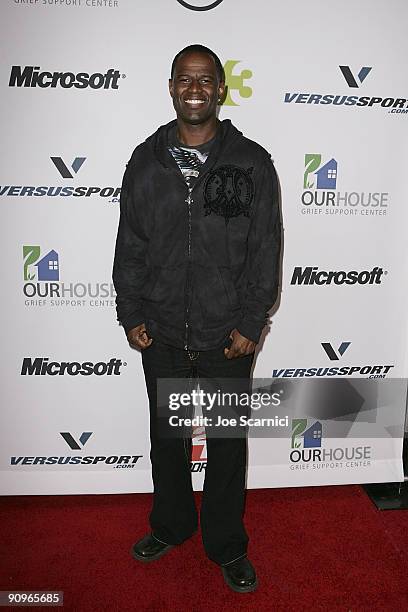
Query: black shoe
{"x": 149, "y": 549}
{"x": 240, "y": 575}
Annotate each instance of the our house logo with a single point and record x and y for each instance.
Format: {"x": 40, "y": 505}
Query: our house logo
{"x": 86, "y": 5}
{"x": 44, "y": 268}
{"x": 199, "y": 5}
{"x": 304, "y": 436}
{"x": 199, "y": 450}
{"x": 42, "y": 284}
{"x": 318, "y": 175}
{"x": 390, "y": 104}
{"x": 320, "y": 194}
{"x": 235, "y": 83}
{"x": 75, "y": 442}
{"x": 63, "y": 171}
{"x": 307, "y": 451}
{"x": 335, "y": 352}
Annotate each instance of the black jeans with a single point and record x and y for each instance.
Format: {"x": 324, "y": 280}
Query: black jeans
{"x": 174, "y": 518}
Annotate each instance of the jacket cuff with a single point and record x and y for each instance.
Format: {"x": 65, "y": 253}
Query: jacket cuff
{"x": 250, "y": 329}
{"x": 131, "y": 322}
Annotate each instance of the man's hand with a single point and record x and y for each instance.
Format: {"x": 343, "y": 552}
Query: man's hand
{"x": 240, "y": 346}
{"x": 138, "y": 338}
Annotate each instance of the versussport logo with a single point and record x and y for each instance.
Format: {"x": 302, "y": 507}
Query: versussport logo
{"x": 320, "y": 195}
{"x": 33, "y": 76}
{"x": 64, "y": 170}
{"x": 199, "y": 5}
{"x": 351, "y": 80}
{"x": 42, "y": 366}
{"x": 390, "y": 104}
{"x": 119, "y": 460}
{"x": 307, "y": 451}
{"x": 334, "y": 353}
{"x": 42, "y": 286}
{"x": 311, "y": 275}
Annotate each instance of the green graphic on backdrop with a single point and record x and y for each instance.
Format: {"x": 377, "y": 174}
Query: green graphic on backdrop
{"x": 235, "y": 82}
{"x": 298, "y": 427}
{"x": 30, "y": 256}
{"x": 312, "y": 162}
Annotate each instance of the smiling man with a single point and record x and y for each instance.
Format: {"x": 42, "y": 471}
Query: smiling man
{"x": 196, "y": 270}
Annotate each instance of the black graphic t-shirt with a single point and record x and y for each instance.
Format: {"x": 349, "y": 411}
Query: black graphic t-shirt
{"x": 189, "y": 159}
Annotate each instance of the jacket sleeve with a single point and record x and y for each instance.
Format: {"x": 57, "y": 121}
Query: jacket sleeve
{"x": 129, "y": 267}
{"x": 263, "y": 256}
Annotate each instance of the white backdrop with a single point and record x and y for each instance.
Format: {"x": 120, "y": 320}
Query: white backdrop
{"x": 273, "y": 53}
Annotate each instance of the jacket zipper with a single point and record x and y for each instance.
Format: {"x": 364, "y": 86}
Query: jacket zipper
{"x": 188, "y": 201}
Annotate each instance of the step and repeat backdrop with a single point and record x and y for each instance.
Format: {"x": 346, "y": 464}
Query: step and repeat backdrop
{"x": 325, "y": 90}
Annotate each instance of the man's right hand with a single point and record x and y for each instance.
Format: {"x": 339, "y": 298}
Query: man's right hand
{"x": 138, "y": 338}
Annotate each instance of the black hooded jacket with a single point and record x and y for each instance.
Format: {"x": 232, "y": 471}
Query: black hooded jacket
{"x": 192, "y": 266}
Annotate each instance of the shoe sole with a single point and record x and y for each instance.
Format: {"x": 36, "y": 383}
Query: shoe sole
{"x": 154, "y": 557}
{"x": 236, "y": 588}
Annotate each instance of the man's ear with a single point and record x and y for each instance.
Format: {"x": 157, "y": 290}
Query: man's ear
{"x": 171, "y": 87}
{"x": 221, "y": 92}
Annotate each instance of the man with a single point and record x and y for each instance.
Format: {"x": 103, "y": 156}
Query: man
{"x": 196, "y": 271}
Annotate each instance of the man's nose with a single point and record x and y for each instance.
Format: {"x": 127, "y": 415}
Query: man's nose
{"x": 195, "y": 85}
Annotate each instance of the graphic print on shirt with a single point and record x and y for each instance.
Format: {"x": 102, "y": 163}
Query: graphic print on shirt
{"x": 228, "y": 192}
{"x": 189, "y": 161}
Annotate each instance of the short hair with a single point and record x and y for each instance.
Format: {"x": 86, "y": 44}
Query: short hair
{"x": 200, "y": 49}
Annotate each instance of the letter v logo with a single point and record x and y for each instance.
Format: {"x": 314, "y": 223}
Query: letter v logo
{"x": 348, "y": 75}
{"x": 63, "y": 169}
{"x": 331, "y": 353}
{"x": 72, "y": 443}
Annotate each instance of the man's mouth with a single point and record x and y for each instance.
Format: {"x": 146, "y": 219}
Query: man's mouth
{"x": 194, "y": 101}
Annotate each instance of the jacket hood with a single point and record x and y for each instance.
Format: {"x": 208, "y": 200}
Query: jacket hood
{"x": 227, "y": 134}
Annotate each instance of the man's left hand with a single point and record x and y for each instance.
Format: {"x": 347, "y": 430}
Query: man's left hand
{"x": 240, "y": 346}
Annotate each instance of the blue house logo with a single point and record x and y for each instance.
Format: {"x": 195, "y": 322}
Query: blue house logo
{"x": 304, "y": 436}
{"x": 47, "y": 266}
{"x": 326, "y": 175}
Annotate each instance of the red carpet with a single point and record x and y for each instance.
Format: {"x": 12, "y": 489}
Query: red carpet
{"x": 319, "y": 548}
